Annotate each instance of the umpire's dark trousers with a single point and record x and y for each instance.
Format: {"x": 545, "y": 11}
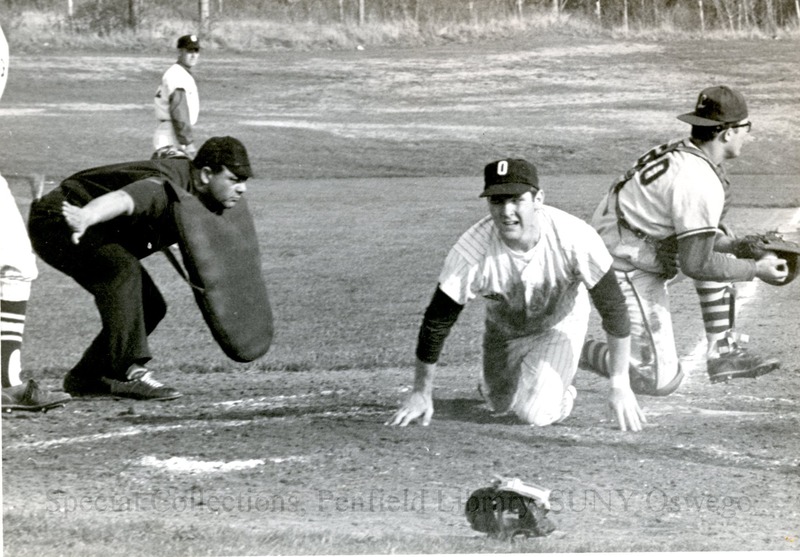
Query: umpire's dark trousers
{"x": 128, "y": 300}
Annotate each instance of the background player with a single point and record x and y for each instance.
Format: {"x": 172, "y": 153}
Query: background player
{"x": 533, "y": 264}
{"x": 177, "y": 103}
{"x": 666, "y": 211}
{"x": 17, "y": 272}
{"x": 98, "y": 224}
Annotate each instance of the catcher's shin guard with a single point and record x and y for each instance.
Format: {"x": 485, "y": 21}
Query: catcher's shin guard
{"x": 643, "y": 377}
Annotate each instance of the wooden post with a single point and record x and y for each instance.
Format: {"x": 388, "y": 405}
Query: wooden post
{"x": 597, "y": 10}
{"x": 341, "y": 11}
{"x": 70, "y": 9}
{"x": 361, "y": 12}
{"x": 702, "y": 16}
{"x": 204, "y": 14}
{"x": 133, "y": 14}
{"x": 625, "y": 15}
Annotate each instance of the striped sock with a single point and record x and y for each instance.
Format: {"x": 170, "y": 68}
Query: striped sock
{"x": 594, "y": 357}
{"x": 12, "y": 324}
{"x": 716, "y": 305}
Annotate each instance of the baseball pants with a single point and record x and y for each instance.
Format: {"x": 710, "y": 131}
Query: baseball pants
{"x": 129, "y": 303}
{"x": 653, "y": 351}
{"x": 17, "y": 272}
{"x": 164, "y": 136}
{"x": 529, "y": 375}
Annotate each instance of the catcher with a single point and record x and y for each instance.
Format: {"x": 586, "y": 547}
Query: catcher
{"x": 510, "y": 508}
{"x": 665, "y": 215}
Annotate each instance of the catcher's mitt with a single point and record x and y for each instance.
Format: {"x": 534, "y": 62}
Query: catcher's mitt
{"x": 756, "y": 246}
{"x": 508, "y": 508}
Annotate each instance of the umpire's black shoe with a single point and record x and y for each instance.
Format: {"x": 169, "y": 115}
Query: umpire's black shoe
{"x": 739, "y": 363}
{"x": 140, "y": 385}
{"x": 80, "y": 386}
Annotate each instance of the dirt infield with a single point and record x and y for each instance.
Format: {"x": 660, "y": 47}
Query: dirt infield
{"x": 255, "y": 461}
{"x": 368, "y": 172}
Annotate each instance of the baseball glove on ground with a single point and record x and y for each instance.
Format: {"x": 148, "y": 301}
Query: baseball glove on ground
{"x": 756, "y": 246}
{"x": 508, "y": 508}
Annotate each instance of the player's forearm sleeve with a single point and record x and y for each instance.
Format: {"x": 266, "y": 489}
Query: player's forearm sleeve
{"x": 179, "y": 113}
{"x": 439, "y": 318}
{"x": 610, "y": 303}
{"x": 699, "y": 260}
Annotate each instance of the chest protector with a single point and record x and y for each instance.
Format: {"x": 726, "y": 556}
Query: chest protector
{"x": 665, "y": 251}
{"x": 223, "y": 265}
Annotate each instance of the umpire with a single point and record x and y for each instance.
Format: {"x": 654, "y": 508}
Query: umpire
{"x": 97, "y": 225}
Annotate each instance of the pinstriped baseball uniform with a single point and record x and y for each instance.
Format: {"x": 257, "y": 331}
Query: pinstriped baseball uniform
{"x": 537, "y": 308}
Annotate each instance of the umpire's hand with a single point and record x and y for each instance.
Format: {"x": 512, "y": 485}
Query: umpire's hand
{"x": 77, "y": 218}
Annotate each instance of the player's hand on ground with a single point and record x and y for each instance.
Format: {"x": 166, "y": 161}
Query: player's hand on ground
{"x": 77, "y": 219}
{"x": 418, "y": 404}
{"x": 625, "y": 408}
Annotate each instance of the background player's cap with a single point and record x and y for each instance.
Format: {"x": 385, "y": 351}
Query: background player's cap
{"x": 717, "y": 106}
{"x": 227, "y": 151}
{"x": 190, "y": 43}
{"x": 509, "y": 177}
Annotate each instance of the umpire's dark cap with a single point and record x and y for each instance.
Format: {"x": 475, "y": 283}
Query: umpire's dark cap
{"x": 717, "y": 106}
{"x": 190, "y": 43}
{"x": 509, "y": 177}
{"x": 225, "y": 151}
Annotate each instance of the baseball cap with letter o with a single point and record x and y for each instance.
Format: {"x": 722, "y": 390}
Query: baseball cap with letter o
{"x": 509, "y": 177}
{"x": 717, "y": 106}
{"x": 190, "y": 43}
{"x": 224, "y": 151}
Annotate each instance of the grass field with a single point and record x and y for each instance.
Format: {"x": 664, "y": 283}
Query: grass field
{"x": 368, "y": 169}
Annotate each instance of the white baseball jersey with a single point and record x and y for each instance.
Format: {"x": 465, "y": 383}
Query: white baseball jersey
{"x": 177, "y": 77}
{"x": 528, "y": 293}
{"x": 669, "y": 192}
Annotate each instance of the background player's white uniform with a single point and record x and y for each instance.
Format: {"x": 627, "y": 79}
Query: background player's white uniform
{"x": 537, "y": 309}
{"x": 176, "y": 77}
{"x": 17, "y": 261}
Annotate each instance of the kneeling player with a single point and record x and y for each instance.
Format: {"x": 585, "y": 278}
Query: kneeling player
{"x": 533, "y": 264}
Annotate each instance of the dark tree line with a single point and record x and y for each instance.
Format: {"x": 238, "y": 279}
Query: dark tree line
{"x": 693, "y": 15}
